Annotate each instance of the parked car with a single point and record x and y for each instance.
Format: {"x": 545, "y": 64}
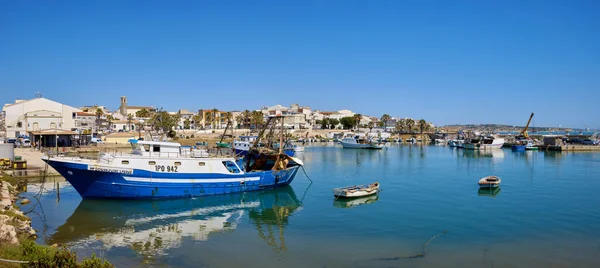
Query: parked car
{"x": 589, "y": 142}
{"x": 25, "y": 143}
{"x": 96, "y": 140}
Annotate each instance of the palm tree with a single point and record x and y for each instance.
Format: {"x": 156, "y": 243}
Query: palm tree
{"x": 385, "y": 118}
{"x": 215, "y": 112}
{"x": 410, "y": 125}
{"x": 256, "y": 119}
{"x": 197, "y": 118}
{"x": 109, "y": 119}
{"x": 176, "y": 118}
{"x": 129, "y": 120}
{"x": 371, "y": 125}
{"x": 240, "y": 120}
{"x": 357, "y": 118}
{"x": 229, "y": 117}
{"x": 208, "y": 118}
{"x": 423, "y": 125}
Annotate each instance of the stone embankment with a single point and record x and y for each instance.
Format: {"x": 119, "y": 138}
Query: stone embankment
{"x": 13, "y": 222}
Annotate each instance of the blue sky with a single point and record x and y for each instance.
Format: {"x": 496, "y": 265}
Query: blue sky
{"x": 445, "y": 61}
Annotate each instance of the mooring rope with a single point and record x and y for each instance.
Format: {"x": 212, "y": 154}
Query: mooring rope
{"x": 306, "y": 174}
{"x": 36, "y": 196}
{"x": 419, "y": 255}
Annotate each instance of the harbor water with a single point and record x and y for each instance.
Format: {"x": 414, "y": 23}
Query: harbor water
{"x": 431, "y": 213}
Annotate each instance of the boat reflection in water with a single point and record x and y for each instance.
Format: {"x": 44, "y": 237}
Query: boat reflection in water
{"x": 496, "y": 153}
{"x": 153, "y": 227}
{"x": 490, "y": 192}
{"x": 348, "y": 203}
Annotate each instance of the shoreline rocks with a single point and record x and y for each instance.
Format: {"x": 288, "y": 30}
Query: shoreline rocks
{"x": 13, "y": 221}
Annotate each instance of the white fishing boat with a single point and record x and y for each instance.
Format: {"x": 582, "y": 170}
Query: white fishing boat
{"x": 484, "y": 143}
{"x": 360, "y": 142}
{"x": 298, "y": 148}
{"x": 440, "y": 141}
{"x": 489, "y": 182}
{"x": 456, "y": 143}
{"x": 356, "y": 190}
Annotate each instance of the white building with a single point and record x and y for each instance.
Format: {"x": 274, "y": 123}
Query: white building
{"x": 341, "y": 114}
{"x": 37, "y": 114}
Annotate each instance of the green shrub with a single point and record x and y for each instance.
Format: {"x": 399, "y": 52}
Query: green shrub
{"x": 42, "y": 257}
{"x": 192, "y": 136}
{"x": 95, "y": 262}
{"x": 48, "y": 257}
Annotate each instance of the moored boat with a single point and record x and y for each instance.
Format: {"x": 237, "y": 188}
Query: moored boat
{"x": 489, "y": 182}
{"x": 483, "y": 143}
{"x": 243, "y": 144}
{"x": 360, "y": 142}
{"x": 356, "y": 190}
{"x": 165, "y": 170}
{"x": 518, "y": 148}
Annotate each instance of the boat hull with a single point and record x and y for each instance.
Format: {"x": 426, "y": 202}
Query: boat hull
{"x": 361, "y": 146}
{"x": 143, "y": 184}
{"x": 518, "y": 148}
{"x": 487, "y": 186}
{"x": 241, "y": 152}
{"x": 474, "y": 146}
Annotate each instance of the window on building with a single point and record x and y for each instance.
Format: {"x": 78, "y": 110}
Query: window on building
{"x": 19, "y": 124}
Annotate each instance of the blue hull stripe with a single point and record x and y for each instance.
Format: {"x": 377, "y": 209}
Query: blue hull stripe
{"x": 155, "y": 180}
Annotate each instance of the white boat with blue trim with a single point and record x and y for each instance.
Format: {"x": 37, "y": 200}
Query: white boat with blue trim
{"x": 243, "y": 144}
{"x": 168, "y": 170}
{"x": 358, "y": 141}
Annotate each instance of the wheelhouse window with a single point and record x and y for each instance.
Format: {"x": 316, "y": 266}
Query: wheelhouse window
{"x": 156, "y": 148}
{"x": 231, "y": 167}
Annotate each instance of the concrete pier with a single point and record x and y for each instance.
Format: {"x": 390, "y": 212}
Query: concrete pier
{"x": 570, "y": 148}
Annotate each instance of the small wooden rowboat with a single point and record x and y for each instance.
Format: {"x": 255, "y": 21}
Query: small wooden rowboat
{"x": 489, "y": 182}
{"x": 356, "y": 190}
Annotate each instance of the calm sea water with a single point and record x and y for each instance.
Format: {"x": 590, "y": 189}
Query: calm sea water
{"x": 545, "y": 214}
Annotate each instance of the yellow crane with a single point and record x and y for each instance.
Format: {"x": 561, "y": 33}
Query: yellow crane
{"x": 524, "y": 133}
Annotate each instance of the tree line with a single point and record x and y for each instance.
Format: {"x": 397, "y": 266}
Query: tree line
{"x": 403, "y": 125}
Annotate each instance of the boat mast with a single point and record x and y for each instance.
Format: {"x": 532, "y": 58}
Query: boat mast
{"x": 261, "y": 133}
{"x": 281, "y": 137}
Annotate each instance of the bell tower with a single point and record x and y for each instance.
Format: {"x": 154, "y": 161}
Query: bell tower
{"x": 123, "y": 107}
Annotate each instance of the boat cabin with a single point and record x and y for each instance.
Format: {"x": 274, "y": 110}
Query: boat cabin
{"x": 166, "y": 149}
